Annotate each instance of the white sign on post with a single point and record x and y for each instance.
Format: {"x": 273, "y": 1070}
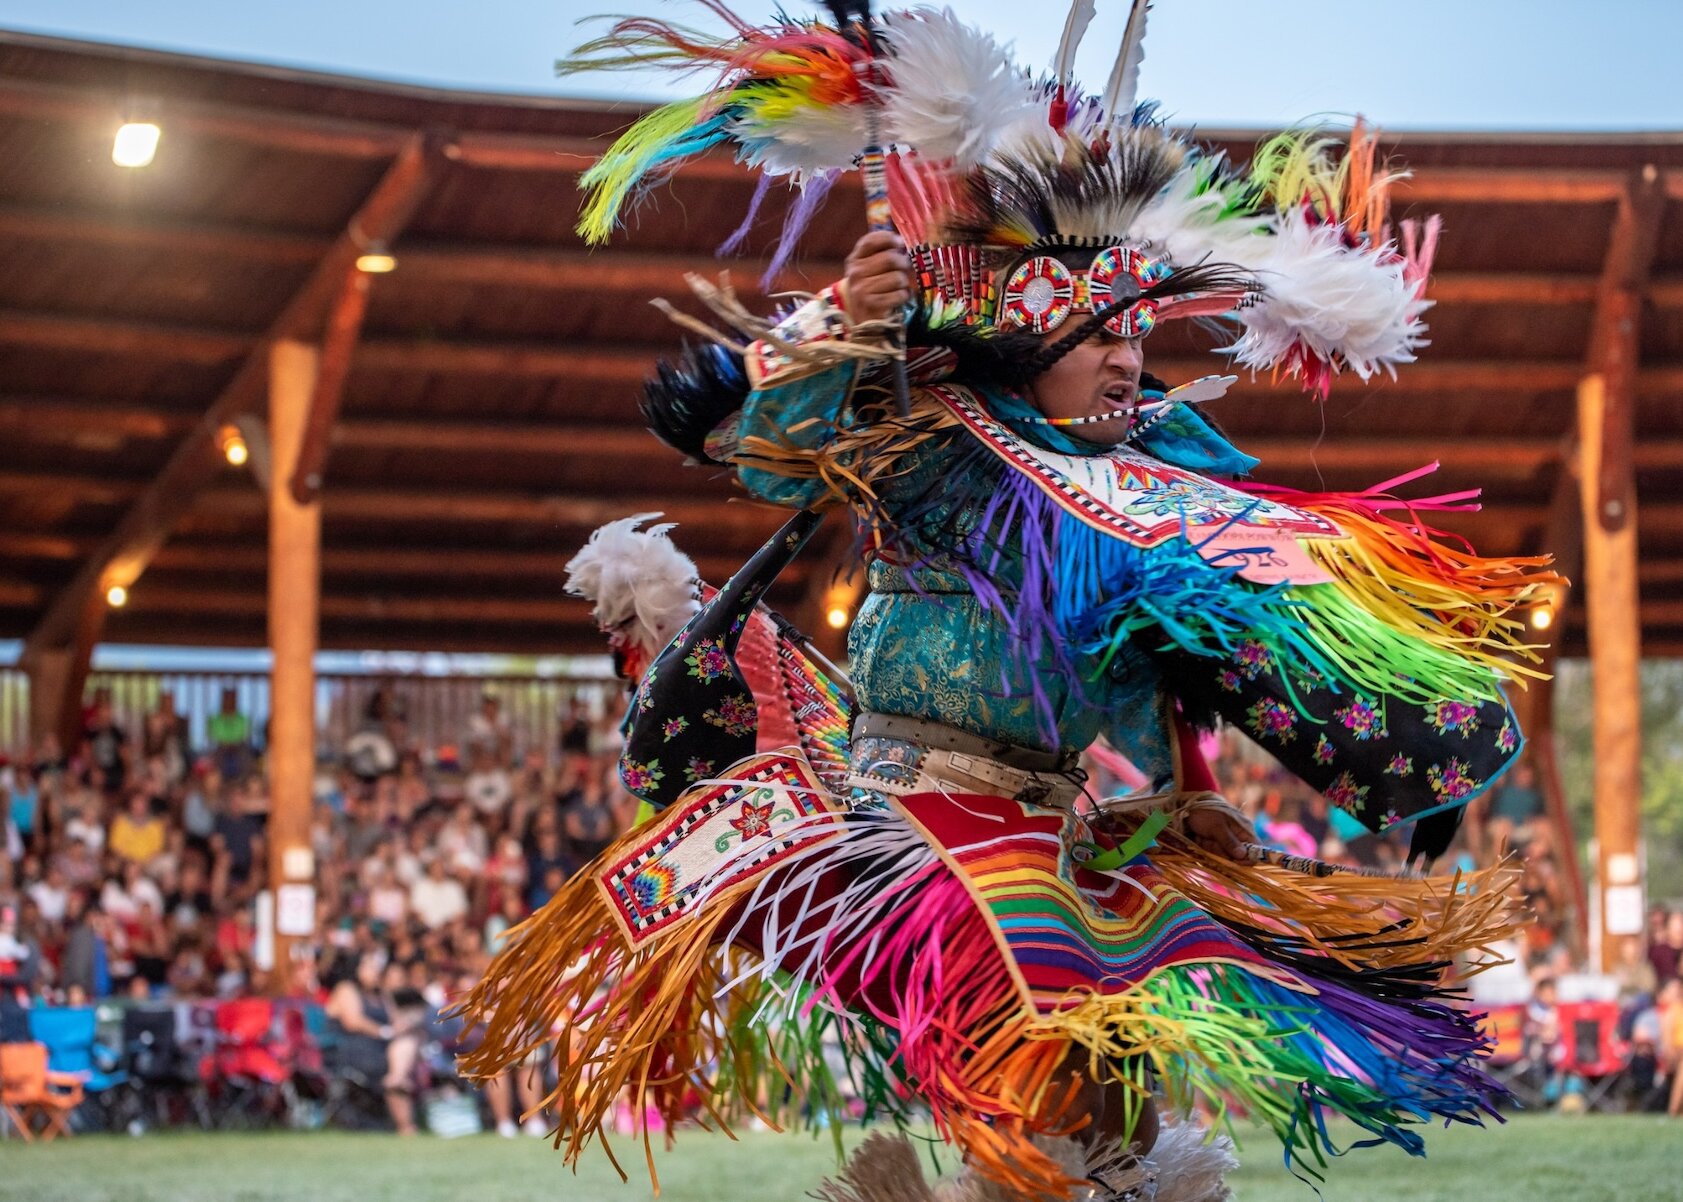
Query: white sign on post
{"x": 295, "y": 910}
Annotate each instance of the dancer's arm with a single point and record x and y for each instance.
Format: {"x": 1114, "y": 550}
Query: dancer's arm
{"x": 798, "y": 405}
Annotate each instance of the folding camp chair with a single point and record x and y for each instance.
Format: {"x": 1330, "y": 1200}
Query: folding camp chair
{"x": 73, "y": 1047}
{"x": 30, "y": 1091}
{"x": 1509, "y": 1062}
{"x": 1592, "y": 1051}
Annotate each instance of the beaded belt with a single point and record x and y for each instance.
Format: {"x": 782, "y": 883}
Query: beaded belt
{"x": 893, "y": 756}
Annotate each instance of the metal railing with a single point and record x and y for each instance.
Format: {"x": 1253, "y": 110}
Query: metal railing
{"x": 435, "y": 710}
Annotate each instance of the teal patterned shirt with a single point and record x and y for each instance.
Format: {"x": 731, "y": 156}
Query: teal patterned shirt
{"x": 937, "y": 652}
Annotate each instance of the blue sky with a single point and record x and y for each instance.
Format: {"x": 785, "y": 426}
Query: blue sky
{"x": 1429, "y": 64}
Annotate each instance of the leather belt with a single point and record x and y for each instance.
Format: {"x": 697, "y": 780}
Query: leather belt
{"x": 938, "y": 736}
{"x": 895, "y": 756}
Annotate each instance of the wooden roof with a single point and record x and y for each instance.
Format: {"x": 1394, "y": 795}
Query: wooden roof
{"x": 488, "y": 418}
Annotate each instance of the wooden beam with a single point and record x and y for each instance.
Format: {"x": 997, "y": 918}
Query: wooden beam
{"x": 427, "y": 506}
{"x": 15, "y": 544}
{"x": 423, "y": 562}
{"x": 154, "y": 513}
{"x": 372, "y": 607}
{"x": 87, "y": 424}
{"x": 103, "y": 425}
{"x": 499, "y": 438}
{"x": 629, "y": 363}
{"x": 1521, "y": 185}
{"x": 1615, "y": 336}
{"x": 1606, "y": 436}
{"x": 274, "y": 129}
{"x": 468, "y": 264}
{"x": 293, "y": 605}
{"x": 102, "y": 336}
{"x": 92, "y": 489}
{"x": 344, "y": 328}
{"x": 123, "y": 229}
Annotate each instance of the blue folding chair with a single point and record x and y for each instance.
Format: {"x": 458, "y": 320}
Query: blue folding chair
{"x": 71, "y": 1036}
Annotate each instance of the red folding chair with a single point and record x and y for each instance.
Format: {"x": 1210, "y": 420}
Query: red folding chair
{"x": 1592, "y": 1050}
{"x": 245, "y": 1078}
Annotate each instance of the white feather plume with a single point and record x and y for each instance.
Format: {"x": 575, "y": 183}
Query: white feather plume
{"x": 1124, "y": 84}
{"x": 1354, "y": 305}
{"x": 960, "y": 88}
{"x": 1081, "y": 13}
{"x": 637, "y": 580}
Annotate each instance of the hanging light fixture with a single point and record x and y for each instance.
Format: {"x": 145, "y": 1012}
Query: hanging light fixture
{"x": 376, "y": 260}
{"x": 135, "y": 144}
{"x": 231, "y": 442}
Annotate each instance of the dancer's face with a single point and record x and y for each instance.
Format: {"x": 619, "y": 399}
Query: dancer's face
{"x": 1099, "y": 376}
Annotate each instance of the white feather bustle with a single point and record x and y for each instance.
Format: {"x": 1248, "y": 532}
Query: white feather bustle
{"x": 958, "y": 89}
{"x": 638, "y": 577}
{"x": 1339, "y": 302}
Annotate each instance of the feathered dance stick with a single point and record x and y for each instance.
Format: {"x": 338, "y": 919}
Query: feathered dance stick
{"x": 853, "y": 19}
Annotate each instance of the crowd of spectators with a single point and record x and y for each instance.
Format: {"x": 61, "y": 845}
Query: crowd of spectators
{"x": 134, "y": 862}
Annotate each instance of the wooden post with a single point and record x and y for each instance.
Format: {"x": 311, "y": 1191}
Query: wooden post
{"x": 294, "y": 602}
{"x": 1615, "y": 645}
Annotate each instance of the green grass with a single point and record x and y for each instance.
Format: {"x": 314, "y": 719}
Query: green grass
{"x": 1532, "y": 1159}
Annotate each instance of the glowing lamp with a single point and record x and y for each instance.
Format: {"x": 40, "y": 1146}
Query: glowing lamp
{"x": 376, "y": 260}
{"x": 233, "y": 446}
{"x": 116, "y": 596}
{"x": 836, "y": 616}
{"x": 1542, "y": 617}
{"x": 135, "y": 144}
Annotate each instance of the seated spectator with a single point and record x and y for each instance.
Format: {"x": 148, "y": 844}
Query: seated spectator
{"x": 124, "y": 894}
{"x": 438, "y": 898}
{"x": 462, "y": 842}
{"x": 1637, "y": 983}
{"x": 106, "y": 747}
{"x": 137, "y": 834}
{"x": 51, "y": 893}
{"x": 22, "y": 793}
{"x": 368, "y": 1042}
{"x": 1666, "y": 952}
{"x": 85, "y": 824}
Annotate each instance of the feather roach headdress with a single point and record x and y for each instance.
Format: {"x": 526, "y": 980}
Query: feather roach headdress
{"x": 1026, "y": 200}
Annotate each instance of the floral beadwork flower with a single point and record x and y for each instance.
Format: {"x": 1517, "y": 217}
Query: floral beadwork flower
{"x": 1457, "y": 716}
{"x": 708, "y": 661}
{"x": 698, "y": 769}
{"x": 1400, "y": 765}
{"x": 645, "y": 691}
{"x": 1388, "y": 819}
{"x": 639, "y": 778}
{"x": 1507, "y": 739}
{"x": 1362, "y": 719}
{"x": 736, "y": 715}
{"x": 1254, "y": 659}
{"x": 1269, "y": 719}
{"x": 1230, "y": 680}
{"x": 1451, "y": 781}
{"x": 752, "y": 820}
{"x": 1346, "y": 794}
{"x": 673, "y": 727}
{"x": 1324, "y": 750}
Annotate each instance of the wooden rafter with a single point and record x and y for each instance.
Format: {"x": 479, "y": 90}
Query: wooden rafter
{"x": 344, "y": 328}
{"x": 154, "y": 512}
